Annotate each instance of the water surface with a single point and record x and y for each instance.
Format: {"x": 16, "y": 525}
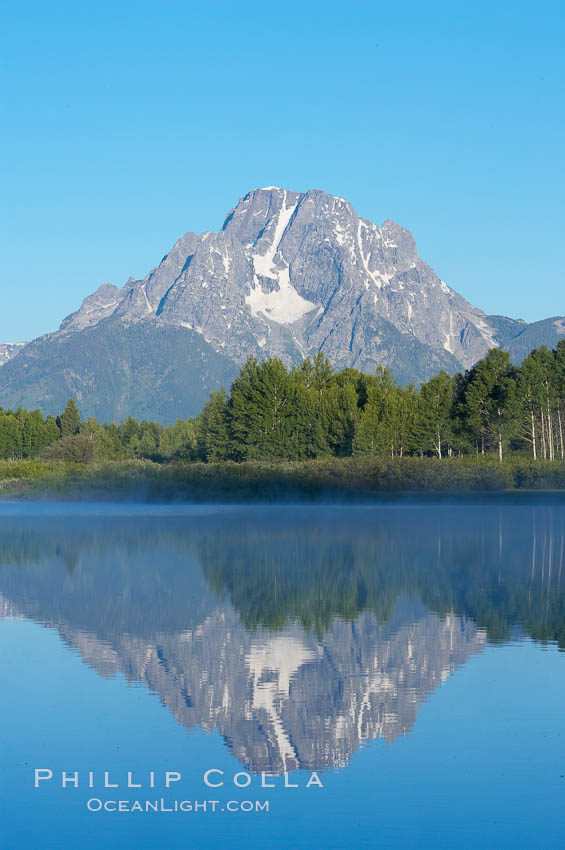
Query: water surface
{"x": 408, "y": 659}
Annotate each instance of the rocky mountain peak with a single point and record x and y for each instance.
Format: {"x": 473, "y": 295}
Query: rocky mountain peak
{"x": 293, "y": 273}
{"x": 290, "y": 274}
{"x": 94, "y": 308}
{"x": 9, "y": 350}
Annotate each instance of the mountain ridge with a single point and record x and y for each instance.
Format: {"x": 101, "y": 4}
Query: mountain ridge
{"x": 288, "y": 274}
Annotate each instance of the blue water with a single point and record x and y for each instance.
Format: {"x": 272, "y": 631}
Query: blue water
{"x": 407, "y": 657}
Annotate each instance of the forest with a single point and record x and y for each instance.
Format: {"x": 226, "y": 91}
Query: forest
{"x": 311, "y": 411}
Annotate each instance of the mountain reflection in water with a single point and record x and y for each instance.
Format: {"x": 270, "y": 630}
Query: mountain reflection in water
{"x": 298, "y": 633}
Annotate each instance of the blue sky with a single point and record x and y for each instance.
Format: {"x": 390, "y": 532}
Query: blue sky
{"x": 128, "y": 123}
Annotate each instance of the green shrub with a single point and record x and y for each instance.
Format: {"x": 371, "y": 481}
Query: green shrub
{"x": 78, "y": 448}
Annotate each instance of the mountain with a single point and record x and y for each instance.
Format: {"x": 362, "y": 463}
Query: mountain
{"x": 9, "y": 350}
{"x": 282, "y": 699}
{"x": 287, "y": 701}
{"x": 116, "y": 369}
{"x": 547, "y": 332}
{"x": 299, "y": 634}
{"x": 287, "y": 275}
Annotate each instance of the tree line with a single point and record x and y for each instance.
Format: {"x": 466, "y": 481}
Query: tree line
{"x": 311, "y": 411}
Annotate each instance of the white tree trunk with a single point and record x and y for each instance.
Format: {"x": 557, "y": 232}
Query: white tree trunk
{"x": 550, "y": 433}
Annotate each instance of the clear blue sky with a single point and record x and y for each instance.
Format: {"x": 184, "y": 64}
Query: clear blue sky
{"x": 128, "y": 123}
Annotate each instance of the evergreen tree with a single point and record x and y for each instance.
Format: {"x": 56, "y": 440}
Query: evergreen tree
{"x": 310, "y": 384}
{"x": 10, "y": 436}
{"x": 491, "y": 401}
{"x": 129, "y": 433}
{"x": 51, "y": 431}
{"x": 32, "y": 432}
{"x": 341, "y": 413}
{"x": 69, "y": 420}
{"x": 378, "y": 429}
{"x": 260, "y": 411}
{"x": 212, "y": 429}
{"x": 408, "y": 414}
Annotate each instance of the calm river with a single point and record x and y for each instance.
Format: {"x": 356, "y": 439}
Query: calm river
{"x": 282, "y": 677}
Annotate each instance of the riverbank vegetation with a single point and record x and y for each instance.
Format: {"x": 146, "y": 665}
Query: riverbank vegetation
{"x": 347, "y": 479}
{"x": 309, "y": 427}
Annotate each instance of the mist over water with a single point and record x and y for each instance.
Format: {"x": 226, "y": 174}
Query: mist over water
{"x": 341, "y": 640}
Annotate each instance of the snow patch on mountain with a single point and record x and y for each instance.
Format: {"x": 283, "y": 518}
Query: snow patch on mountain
{"x": 282, "y": 304}
{"x": 9, "y": 350}
{"x": 264, "y": 263}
